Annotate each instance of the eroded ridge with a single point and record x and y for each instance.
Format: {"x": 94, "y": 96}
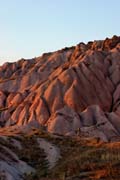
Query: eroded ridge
{"x": 70, "y": 89}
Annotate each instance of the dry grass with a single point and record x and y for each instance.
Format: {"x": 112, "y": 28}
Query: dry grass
{"x": 81, "y": 158}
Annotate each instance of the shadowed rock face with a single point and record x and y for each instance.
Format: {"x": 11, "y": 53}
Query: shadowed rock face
{"x": 77, "y": 87}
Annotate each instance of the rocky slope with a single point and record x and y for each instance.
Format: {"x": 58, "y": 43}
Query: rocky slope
{"x": 59, "y": 111}
{"x": 77, "y": 87}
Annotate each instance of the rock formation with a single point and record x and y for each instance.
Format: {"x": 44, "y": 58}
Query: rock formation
{"x": 77, "y": 87}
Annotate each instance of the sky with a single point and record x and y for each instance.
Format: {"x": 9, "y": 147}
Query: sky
{"x": 29, "y": 28}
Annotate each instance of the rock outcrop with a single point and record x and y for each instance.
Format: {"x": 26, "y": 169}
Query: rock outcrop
{"x": 70, "y": 89}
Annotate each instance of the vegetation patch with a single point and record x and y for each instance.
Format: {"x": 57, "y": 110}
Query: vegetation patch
{"x": 81, "y": 157}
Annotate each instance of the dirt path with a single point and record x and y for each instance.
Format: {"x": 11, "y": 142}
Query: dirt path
{"x": 52, "y": 152}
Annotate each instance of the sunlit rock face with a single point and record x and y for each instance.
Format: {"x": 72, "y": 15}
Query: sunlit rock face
{"x": 73, "y": 88}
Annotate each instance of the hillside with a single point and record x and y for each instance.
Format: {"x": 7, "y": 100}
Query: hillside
{"x": 73, "y": 88}
{"x": 60, "y": 114}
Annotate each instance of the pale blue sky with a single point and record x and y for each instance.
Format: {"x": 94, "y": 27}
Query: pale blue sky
{"x": 30, "y": 27}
